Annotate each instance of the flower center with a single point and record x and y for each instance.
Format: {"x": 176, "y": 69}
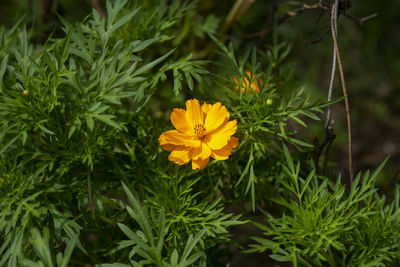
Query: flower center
{"x": 199, "y": 130}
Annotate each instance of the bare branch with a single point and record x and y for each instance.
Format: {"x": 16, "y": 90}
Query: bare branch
{"x": 284, "y": 18}
{"x": 360, "y": 21}
{"x": 328, "y": 116}
{"x": 344, "y": 88}
{"x": 329, "y": 132}
{"x": 303, "y": 7}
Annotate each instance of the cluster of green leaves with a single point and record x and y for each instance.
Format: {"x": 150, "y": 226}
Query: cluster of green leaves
{"x": 30, "y": 201}
{"x": 323, "y": 224}
{"x": 148, "y": 242}
{"x": 71, "y": 107}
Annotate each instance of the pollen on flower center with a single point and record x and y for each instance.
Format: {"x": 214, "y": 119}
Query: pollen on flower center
{"x": 199, "y": 130}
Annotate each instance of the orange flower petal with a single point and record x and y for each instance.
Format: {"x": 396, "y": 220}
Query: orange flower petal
{"x": 178, "y": 119}
{"x": 223, "y": 153}
{"x": 180, "y": 155}
{"x": 215, "y": 117}
{"x": 174, "y": 137}
{"x": 220, "y": 137}
{"x": 201, "y": 152}
{"x": 206, "y": 107}
{"x": 164, "y": 143}
{"x": 200, "y": 163}
{"x": 194, "y": 114}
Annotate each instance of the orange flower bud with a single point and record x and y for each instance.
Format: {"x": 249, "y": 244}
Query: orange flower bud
{"x": 246, "y": 84}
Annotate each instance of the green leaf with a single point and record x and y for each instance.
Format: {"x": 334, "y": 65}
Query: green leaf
{"x": 68, "y": 252}
{"x": 3, "y": 67}
{"x": 71, "y": 131}
{"x": 308, "y": 179}
{"x": 108, "y": 120}
{"x": 123, "y": 20}
{"x": 288, "y": 157}
{"x": 140, "y": 45}
{"x": 150, "y": 65}
{"x": 161, "y": 233}
{"x": 9, "y": 143}
{"x": 174, "y": 258}
{"x": 280, "y": 258}
{"x": 41, "y": 245}
{"x": 139, "y": 215}
{"x": 89, "y": 122}
{"x": 44, "y": 129}
{"x": 299, "y": 142}
{"x": 190, "y": 244}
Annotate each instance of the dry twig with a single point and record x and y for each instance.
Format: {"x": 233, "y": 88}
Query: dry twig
{"x": 360, "y": 21}
{"x": 329, "y": 132}
{"x": 303, "y": 7}
{"x": 287, "y": 16}
{"x": 344, "y": 88}
{"x": 328, "y": 116}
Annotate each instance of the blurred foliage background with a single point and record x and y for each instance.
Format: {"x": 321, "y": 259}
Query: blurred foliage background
{"x": 370, "y": 55}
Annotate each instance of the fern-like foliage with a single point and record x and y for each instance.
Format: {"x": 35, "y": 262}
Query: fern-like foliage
{"x": 325, "y": 225}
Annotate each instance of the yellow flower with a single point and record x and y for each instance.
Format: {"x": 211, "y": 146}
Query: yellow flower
{"x": 201, "y": 132}
{"x": 245, "y": 84}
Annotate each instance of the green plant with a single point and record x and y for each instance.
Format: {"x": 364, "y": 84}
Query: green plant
{"x": 85, "y": 182}
{"x": 325, "y": 225}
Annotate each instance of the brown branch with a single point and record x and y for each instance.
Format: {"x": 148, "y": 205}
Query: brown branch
{"x": 328, "y": 116}
{"x": 391, "y": 180}
{"x": 96, "y": 5}
{"x": 344, "y": 88}
{"x": 293, "y": 13}
{"x": 305, "y": 7}
{"x": 360, "y": 21}
{"x": 284, "y": 18}
{"x": 329, "y": 132}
